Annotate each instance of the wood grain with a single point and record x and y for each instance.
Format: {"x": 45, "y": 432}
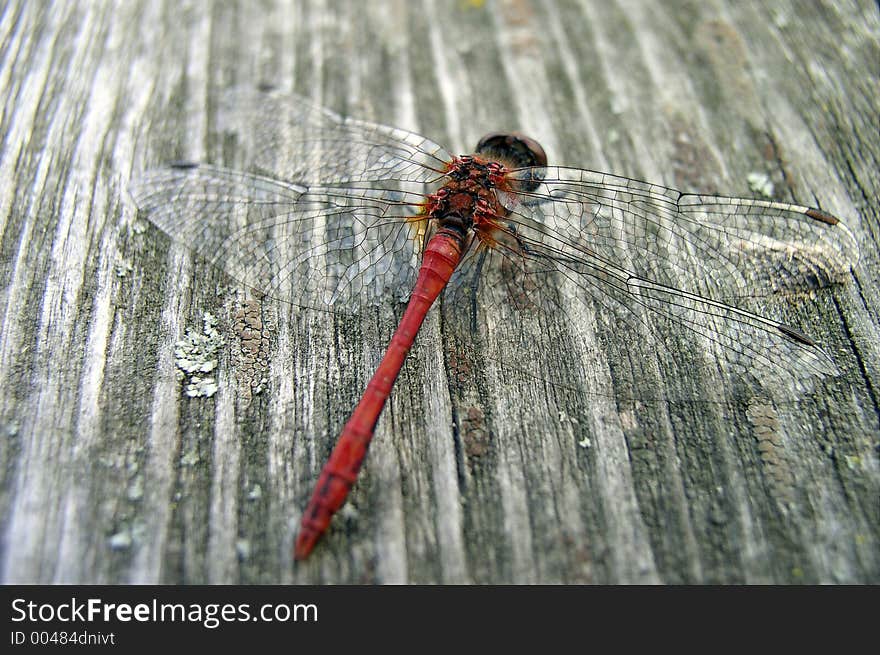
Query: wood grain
{"x": 480, "y": 473}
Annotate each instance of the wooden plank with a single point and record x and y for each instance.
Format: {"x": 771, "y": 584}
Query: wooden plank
{"x": 526, "y": 454}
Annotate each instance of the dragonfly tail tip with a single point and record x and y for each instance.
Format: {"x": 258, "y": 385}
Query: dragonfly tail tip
{"x": 305, "y": 542}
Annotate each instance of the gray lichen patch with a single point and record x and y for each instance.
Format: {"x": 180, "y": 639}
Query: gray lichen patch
{"x": 136, "y": 488}
{"x": 126, "y": 537}
{"x": 854, "y": 462}
{"x": 349, "y": 512}
{"x": 196, "y": 357}
{"x": 190, "y": 458}
{"x": 255, "y": 493}
{"x": 123, "y": 267}
{"x": 243, "y": 549}
{"x": 120, "y": 540}
{"x": 761, "y": 183}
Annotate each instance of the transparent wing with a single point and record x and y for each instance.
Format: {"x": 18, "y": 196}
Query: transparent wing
{"x": 330, "y": 217}
{"x": 311, "y": 246}
{"x": 645, "y": 257}
{"x": 290, "y": 138}
{"x": 734, "y": 246}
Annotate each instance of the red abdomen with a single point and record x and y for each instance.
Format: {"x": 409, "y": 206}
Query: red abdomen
{"x": 440, "y": 259}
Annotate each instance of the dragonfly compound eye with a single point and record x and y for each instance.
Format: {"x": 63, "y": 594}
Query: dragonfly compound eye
{"x": 515, "y": 150}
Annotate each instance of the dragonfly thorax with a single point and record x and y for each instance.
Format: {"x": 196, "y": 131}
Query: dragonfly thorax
{"x": 478, "y": 170}
{"x": 468, "y": 198}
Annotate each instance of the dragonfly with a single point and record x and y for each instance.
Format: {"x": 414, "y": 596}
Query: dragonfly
{"x": 337, "y": 214}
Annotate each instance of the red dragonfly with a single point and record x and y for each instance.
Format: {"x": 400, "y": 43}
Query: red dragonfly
{"x": 341, "y": 213}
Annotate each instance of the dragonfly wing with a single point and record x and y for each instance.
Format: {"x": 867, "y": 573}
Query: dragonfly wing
{"x": 643, "y": 256}
{"x": 293, "y": 139}
{"x": 730, "y": 247}
{"x": 311, "y": 246}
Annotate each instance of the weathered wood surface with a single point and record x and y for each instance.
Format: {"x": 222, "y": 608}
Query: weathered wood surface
{"x": 479, "y": 473}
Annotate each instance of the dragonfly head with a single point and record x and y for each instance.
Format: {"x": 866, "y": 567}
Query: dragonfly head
{"x": 515, "y": 150}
